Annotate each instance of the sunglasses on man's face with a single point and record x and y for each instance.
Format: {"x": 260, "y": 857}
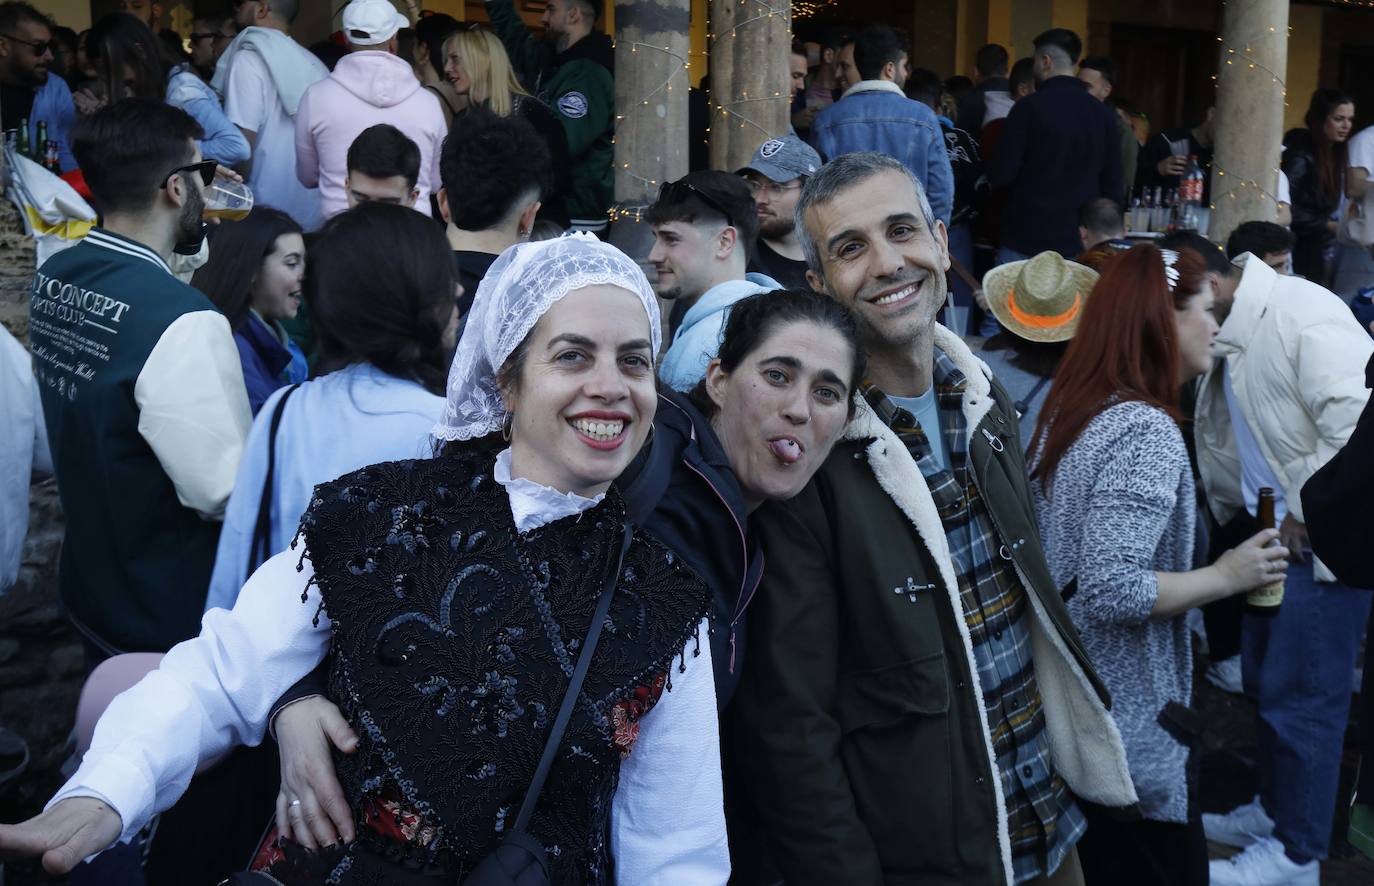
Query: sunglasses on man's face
{"x": 40, "y": 47}
{"x": 205, "y": 169}
{"x": 675, "y": 192}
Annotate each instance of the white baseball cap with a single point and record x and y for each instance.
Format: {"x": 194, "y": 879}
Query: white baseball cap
{"x": 371, "y": 22}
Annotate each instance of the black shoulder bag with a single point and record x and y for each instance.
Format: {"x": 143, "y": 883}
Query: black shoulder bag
{"x": 520, "y": 859}
{"x": 260, "y": 548}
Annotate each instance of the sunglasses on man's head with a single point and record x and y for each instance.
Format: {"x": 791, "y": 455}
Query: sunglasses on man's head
{"x": 205, "y": 168}
{"x": 675, "y": 192}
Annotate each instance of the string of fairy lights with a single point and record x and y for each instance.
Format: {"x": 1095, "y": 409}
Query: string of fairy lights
{"x": 734, "y": 109}
{"x": 728, "y": 110}
{"x": 760, "y": 13}
{"x": 1232, "y": 185}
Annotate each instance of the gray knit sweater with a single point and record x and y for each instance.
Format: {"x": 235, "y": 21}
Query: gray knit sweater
{"x": 1120, "y": 509}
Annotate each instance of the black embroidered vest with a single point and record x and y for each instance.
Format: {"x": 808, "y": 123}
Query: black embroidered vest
{"x": 453, "y": 640}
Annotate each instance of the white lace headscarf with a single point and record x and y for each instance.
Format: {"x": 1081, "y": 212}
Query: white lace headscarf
{"x": 521, "y": 285}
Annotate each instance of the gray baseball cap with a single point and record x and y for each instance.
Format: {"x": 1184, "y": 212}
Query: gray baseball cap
{"x": 783, "y": 159}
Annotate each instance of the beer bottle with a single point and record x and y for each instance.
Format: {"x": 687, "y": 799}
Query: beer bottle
{"x": 40, "y": 144}
{"x": 23, "y": 147}
{"x": 1265, "y": 600}
{"x": 52, "y": 159}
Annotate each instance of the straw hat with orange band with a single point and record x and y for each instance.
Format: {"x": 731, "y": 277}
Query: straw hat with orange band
{"x": 1040, "y": 299}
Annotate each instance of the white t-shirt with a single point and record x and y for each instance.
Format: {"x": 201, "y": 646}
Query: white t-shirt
{"x": 1360, "y": 150}
{"x": 251, "y": 102}
{"x": 1255, "y": 472}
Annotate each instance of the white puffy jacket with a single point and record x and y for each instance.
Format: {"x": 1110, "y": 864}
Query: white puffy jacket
{"x": 1296, "y": 359}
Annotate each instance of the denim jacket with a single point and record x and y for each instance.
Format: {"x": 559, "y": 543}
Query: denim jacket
{"x": 874, "y": 115}
{"x": 223, "y": 141}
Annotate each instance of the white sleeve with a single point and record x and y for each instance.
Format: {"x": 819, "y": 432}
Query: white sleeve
{"x": 193, "y": 409}
{"x": 307, "y": 157}
{"x": 1284, "y": 195}
{"x": 209, "y": 694}
{"x": 1361, "y": 151}
{"x": 248, "y": 92}
{"x": 668, "y": 815}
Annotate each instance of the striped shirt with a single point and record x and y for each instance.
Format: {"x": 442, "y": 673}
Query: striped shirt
{"x": 1043, "y": 821}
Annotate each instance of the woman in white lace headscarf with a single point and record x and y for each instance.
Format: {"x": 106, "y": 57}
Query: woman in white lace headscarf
{"x": 453, "y": 596}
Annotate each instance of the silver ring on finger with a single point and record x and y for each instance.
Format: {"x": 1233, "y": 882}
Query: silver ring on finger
{"x": 294, "y": 805}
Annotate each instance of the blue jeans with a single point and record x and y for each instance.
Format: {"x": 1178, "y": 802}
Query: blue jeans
{"x": 1300, "y": 664}
{"x": 1354, "y": 270}
{"x": 956, "y": 311}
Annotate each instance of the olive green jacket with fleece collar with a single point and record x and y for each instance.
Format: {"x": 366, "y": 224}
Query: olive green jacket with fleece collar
{"x": 859, "y": 719}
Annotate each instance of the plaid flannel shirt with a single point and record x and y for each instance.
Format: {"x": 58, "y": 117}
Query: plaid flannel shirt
{"x": 1043, "y": 820}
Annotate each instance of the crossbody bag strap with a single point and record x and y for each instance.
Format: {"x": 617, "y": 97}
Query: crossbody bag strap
{"x": 261, "y": 546}
{"x": 1021, "y": 406}
{"x": 584, "y": 660}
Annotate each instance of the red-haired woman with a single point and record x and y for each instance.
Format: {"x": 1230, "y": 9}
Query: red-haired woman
{"x": 1114, "y": 494}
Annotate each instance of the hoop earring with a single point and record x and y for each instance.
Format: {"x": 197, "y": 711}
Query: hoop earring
{"x": 505, "y": 427}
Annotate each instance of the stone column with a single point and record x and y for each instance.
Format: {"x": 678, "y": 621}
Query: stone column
{"x": 651, "y": 47}
{"x": 750, "y": 83}
{"x": 1249, "y": 122}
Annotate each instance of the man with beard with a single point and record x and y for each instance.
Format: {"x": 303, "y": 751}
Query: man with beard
{"x": 875, "y": 115}
{"x": 775, "y": 176}
{"x": 27, "y": 89}
{"x": 146, "y": 11}
{"x": 917, "y": 706}
{"x": 704, "y": 225}
{"x": 209, "y": 38}
{"x": 142, "y": 390}
{"x": 571, "y": 70}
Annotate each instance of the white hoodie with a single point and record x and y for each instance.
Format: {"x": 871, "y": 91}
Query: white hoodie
{"x": 366, "y": 88}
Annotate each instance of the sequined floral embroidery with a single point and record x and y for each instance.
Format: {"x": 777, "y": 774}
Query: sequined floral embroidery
{"x": 625, "y": 716}
{"x": 452, "y": 638}
{"x": 391, "y": 818}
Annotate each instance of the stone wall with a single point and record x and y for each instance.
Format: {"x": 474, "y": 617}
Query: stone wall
{"x": 16, "y": 271}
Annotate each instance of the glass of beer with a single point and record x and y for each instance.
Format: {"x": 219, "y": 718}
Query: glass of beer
{"x": 227, "y": 200}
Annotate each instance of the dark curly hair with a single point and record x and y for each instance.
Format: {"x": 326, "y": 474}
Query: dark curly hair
{"x": 490, "y": 165}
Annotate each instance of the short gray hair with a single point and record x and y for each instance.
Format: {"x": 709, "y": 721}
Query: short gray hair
{"x": 839, "y": 175}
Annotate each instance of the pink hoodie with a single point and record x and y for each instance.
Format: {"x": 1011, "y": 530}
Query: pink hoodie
{"x": 366, "y": 88}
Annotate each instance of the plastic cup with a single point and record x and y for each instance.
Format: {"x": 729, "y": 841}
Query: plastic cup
{"x": 227, "y": 200}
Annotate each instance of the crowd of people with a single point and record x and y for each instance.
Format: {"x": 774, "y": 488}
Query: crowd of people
{"x": 878, "y": 560}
